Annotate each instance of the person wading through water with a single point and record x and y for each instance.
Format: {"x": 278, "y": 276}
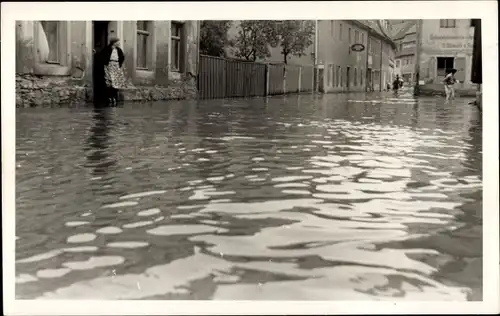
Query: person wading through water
{"x": 449, "y": 81}
{"x": 113, "y": 72}
{"x": 396, "y": 84}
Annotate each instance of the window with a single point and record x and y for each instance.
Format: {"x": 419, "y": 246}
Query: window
{"x": 349, "y": 34}
{"x": 176, "y": 37}
{"x": 143, "y": 36}
{"x": 52, "y": 32}
{"x": 334, "y": 75}
{"x": 339, "y": 76}
{"x": 398, "y": 63}
{"x": 340, "y": 31}
{"x": 444, "y": 63}
{"x": 362, "y": 38}
{"x": 361, "y": 77}
{"x": 329, "y": 77}
{"x": 447, "y": 23}
{"x": 356, "y": 36}
{"x": 355, "y": 77}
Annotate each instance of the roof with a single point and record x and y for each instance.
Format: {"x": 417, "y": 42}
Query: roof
{"x": 376, "y": 28}
{"x": 407, "y": 28}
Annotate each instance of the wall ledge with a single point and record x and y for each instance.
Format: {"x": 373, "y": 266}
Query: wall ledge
{"x": 51, "y": 70}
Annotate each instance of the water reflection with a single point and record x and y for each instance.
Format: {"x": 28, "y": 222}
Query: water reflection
{"x": 99, "y": 157}
{"x": 306, "y": 197}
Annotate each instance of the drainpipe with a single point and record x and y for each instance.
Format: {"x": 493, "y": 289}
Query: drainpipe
{"x": 416, "y": 90}
{"x": 316, "y": 70}
{"x": 381, "y": 57}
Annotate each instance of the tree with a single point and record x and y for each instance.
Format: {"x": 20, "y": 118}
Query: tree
{"x": 294, "y": 37}
{"x": 213, "y": 37}
{"x": 254, "y": 38}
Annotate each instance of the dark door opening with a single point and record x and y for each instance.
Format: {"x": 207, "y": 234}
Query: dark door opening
{"x": 100, "y": 39}
{"x": 444, "y": 63}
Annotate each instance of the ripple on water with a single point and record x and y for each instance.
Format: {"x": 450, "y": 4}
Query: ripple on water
{"x": 138, "y": 224}
{"x": 138, "y": 195}
{"x": 52, "y": 273}
{"x": 94, "y": 262}
{"x": 81, "y": 238}
{"x": 169, "y": 230}
{"x": 128, "y": 244}
{"x": 81, "y": 249}
{"x": 76, "y": 223}
{"x": 40, "y": 257}
{"x": 291, "y": 178}
{"x": 121, "y": 204}
{"x": 149, "y": 212}
{"x": 25, "y": 278}
{"x": 109, "y": 230}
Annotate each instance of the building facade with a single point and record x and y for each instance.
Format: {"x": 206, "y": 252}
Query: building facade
{"x": 341, "y": 69}
{"x": 446, "y": 44}
{"x": 55, "y": 59}
{"x": 380, "y": 55}
{"x": 406, "y": 43}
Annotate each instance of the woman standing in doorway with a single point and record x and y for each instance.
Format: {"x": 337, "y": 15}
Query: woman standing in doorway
{"x": 113, "y": 72}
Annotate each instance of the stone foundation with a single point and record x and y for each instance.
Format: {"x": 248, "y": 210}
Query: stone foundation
{"x": 46, "y": 91}
{"x": 177, "y": 90}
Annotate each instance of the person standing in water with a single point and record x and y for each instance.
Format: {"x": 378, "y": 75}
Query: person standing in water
{"x": 449, "y": 81}
{"x": 113, "y": 72}
{"x": 396, "y": 84}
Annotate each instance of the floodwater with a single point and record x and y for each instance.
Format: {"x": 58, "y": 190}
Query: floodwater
{"x": 335, "y": 197}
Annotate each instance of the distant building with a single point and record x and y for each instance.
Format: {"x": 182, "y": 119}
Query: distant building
{"x": 406, "y": 43}
{"x": 381, "y": 52}
{"x": 446, "y": 44}
{"x": 54, "y": 61}
{"x": 341, "y": 69}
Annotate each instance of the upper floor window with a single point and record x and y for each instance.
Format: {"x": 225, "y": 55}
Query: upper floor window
{"x": 447, "y": 23}
{"x": 52, "y": 35}
{"x": 143, "y": 38}
{"x": 176, "y": 40}
{"x": 350, "y": 37}
{"x": 362, "y": 38}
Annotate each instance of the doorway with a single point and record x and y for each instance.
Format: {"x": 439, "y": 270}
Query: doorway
{"x": 444, "y": 63}
{"x": 100, "y": 40}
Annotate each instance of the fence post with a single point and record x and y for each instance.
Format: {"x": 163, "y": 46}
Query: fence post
{"x": 267, "y": 81}
{"x": 300, "y": 79}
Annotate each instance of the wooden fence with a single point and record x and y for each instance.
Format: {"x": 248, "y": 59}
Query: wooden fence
{"x": 225, "y": 78}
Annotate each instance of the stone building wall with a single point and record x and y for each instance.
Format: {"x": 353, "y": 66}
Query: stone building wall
{"x": 453, "y": 42}
{"x": 70, "y": 81}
